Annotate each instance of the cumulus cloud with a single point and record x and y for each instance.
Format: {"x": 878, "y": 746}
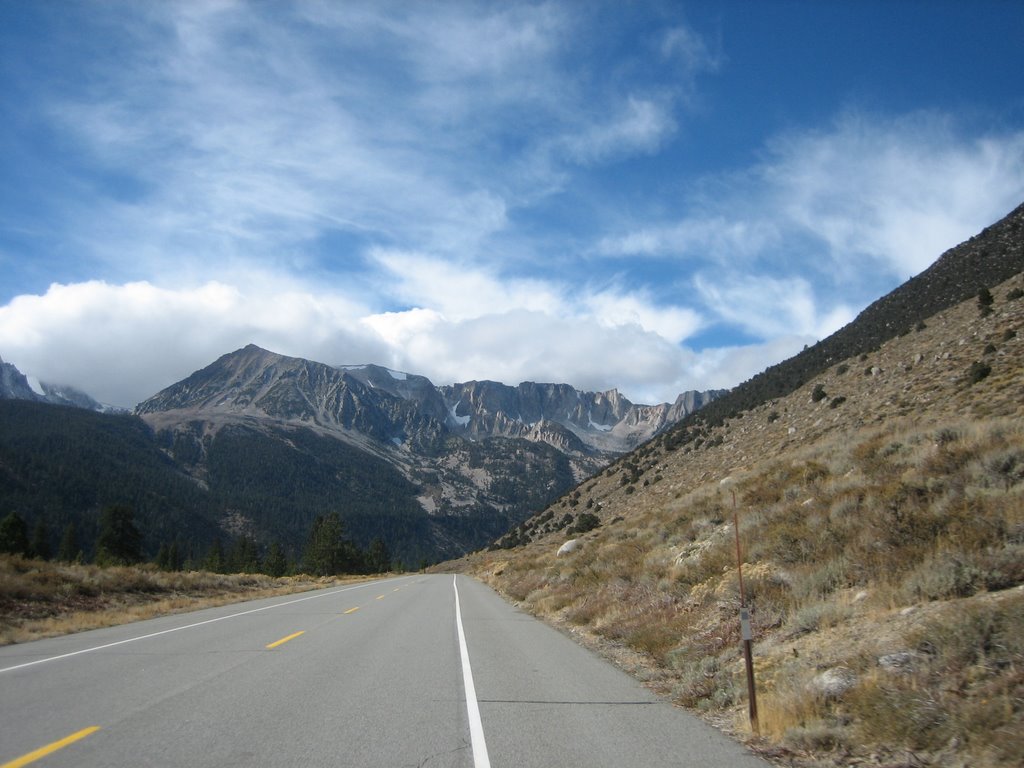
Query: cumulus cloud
{"x": 122, "y": 343}
{"x": 460, "y": 290}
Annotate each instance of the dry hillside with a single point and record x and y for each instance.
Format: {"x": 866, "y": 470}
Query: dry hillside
{"x": 882, "y": 527}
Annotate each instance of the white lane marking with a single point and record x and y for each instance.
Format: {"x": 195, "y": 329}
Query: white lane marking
{"x": 476, "y": 727}
{"x": 187, "y": 626}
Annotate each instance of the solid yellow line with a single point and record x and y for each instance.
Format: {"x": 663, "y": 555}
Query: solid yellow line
{"x": 352, "y": 610}
{"x": 31, "y": 757}
{"x": 282, "y": 641}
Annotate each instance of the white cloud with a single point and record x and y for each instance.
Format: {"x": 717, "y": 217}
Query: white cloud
{"x": 123, "y": 343}
{"x": 613, "y": 309}
{"x": 767, "y": 307}
{"x": 898, "y": 192}
{"x": 459, "y": 291}
{"x": 641, "y": 125}
{"x": 725, "y": 367}
{"x": 722, "y": 239}
{"x": 520, "y": 345}
{"x": 869, "y": 194}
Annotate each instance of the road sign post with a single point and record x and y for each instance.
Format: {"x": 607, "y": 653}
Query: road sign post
{"x": 746, "y": 633}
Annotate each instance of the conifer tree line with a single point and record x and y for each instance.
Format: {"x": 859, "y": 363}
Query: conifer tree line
{"x": 329, "y": 551}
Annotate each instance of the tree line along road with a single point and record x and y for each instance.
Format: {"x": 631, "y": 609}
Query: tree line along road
{"x": 424, "y": 670}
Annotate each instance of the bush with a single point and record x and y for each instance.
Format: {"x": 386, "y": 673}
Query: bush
{"x": 985, "y": 302}
{"x": 585, "y": 522}
{"x": 978, "y": 371}
{"x": 819, "y": 393}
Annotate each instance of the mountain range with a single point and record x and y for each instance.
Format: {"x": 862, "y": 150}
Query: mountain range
{"x": 15, "y": 385}
{"x": 258, "y": 444}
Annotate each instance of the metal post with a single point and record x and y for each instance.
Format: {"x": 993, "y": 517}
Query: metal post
{"x": 745, "y": 631}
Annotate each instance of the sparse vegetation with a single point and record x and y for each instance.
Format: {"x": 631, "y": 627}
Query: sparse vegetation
{"x": 42, "y": 599}
{"x": 883, "y": 561}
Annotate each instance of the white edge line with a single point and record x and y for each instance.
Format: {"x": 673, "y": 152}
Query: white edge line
{"x": 187, "y": 626}
{"x": 476, "y": 726}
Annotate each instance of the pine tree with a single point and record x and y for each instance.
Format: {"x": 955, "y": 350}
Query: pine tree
{"x": 174, "y": 556}
{"x": 378, "y": 559}
{"x": 244, "y": 556}
{"x": 119, "y": 541}
{"x": 163, "y": 557}
{"x": 40, "y": 544}
{"x": 275, "y": 564}
{"x": 328, "y": 552}
{"x": 68, "y": 550}
{"x": 13, "y": 535}
{"x": 215, "y": 557}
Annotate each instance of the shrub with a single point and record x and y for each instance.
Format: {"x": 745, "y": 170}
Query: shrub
{"x": 587, "y": 521}
{"x": 818, "y": 394}
{"x": 978, "y": 371}
{"x": 985, "y": 302}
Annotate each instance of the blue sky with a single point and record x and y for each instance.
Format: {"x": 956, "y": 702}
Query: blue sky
{"x": 650, "y": 196}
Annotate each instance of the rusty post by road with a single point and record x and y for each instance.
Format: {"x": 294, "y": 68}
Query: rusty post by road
{"x": 745, "y": 630}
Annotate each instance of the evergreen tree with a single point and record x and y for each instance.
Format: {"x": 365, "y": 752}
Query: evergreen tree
{"x": 174, "y": 556}
{"x": 378, "y": 559}
{"x": 68, "y": 550}
{"x": 163, "y": 557}
{"x": 244, "y": 556}
{"x": 215, "y": 557}
{"x": 14, "y": 535}
{"x": 328, "y": 552}
{"x": 40, "y": 544}
{"x": 275, "y": 564}
{"x": 119, "y": 541}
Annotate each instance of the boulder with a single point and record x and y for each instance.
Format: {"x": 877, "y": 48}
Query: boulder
{"x": 569, "y": 547}
{"x": 833, "y": 683}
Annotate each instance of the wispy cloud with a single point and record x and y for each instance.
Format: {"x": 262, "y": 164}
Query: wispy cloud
{"x": 872, "y": 192}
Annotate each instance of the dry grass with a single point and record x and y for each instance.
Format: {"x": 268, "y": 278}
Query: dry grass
{"x": 890, "y": 526}
{"x": 42, "y": 599}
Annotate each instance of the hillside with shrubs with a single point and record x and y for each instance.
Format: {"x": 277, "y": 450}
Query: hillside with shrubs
{"x": 878, "y": 484}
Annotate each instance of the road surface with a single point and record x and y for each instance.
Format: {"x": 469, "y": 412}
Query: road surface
{"x": 420, "y": 671}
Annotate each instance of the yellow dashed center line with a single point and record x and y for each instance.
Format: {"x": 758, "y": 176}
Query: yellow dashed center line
{"x": 31, "y": 757}
{"x": 282, "y": 641}
{"x": 352, "y": 610}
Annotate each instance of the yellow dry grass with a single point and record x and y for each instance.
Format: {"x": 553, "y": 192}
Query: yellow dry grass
{"x": 890, "y": 526}
{"x": 43, "y": 599}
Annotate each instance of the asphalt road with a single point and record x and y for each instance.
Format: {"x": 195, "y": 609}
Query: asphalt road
{"x": 430, "y": 671}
